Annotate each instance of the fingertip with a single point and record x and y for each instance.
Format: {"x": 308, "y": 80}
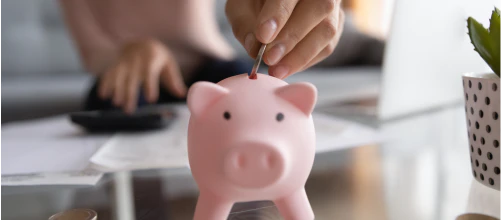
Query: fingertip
{"x": 274, "y": 54}
{"x": 118, "y": 99}
{"x": 102, "y": 90}
{"x": 280, "y": 71}
{"x": 173, "y": 81}
{"x": 254, "y": 50}
{"x": 150, "y": 96}
{"x": 130, "y": 109}
{"x": 117, "y": 102}
{"x": 266, "y": 31}
{"x": 150, "y": 99}
{"x": 129, "y": 105}
{"x": 182, "y": 93}
{"x": 249, "y": 42}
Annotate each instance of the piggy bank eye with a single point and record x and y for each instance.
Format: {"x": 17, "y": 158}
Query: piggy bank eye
{"x": 227, "y": 115}
{"x": 280, "y": 117}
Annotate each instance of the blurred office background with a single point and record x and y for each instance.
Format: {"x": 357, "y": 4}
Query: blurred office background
{"x": 416, "y": 176}
{"x": 42, "y": 74}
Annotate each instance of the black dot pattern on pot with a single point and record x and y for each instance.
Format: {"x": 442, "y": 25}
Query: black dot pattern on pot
{"x": 482, "y": 118}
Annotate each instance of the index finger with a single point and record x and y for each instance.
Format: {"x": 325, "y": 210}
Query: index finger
{"x": 272, "y": 19}
{"x": 172, "y": 79}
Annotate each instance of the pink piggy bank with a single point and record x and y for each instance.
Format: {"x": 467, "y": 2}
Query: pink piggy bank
{"x": 251, "y": 139}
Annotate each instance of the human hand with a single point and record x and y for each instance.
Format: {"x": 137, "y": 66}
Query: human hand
{"x": 141, "y": 64}
{"x": 299, "y": 33}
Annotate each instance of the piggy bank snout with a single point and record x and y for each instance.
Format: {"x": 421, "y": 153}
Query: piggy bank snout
{"x": 254, "y": 165}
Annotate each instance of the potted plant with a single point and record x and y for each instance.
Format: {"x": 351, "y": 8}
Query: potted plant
{"x": 482, "y": 103}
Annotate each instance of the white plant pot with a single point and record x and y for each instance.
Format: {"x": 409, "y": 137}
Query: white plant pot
{"x": 481, "y": 93}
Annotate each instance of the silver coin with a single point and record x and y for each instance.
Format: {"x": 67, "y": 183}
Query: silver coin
{"x": 75, "y": 214}
{"x": 258, "y": 60}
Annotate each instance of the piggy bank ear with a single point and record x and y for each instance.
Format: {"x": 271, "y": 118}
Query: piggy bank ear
{"x": 302, "y": 95}
{"x": 202, "y": 95}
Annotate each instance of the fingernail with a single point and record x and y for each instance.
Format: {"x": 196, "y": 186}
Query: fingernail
{"x": 249, "y": 42}
{"x": 267, "y": 30}
{"x": 280, "y": 72}
{"x": 275, "y": 54}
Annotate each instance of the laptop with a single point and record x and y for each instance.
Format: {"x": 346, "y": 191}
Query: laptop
{"x": 427, "y": 51}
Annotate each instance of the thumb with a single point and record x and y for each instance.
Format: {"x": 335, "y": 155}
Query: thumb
{"x": 172, "y": 79}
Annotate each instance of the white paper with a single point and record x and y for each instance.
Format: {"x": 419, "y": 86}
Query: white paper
{"x": 44, "y": 148}
{"x": 23, "y": 156}
{"x": 85, "y": 177}
{"x": 52, "y": 127}
{"x": 168, "y": 148}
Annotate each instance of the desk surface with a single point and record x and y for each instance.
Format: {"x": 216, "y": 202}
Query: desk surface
{"x": 421, "y": 172}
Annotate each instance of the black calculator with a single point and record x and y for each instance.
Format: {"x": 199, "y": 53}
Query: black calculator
{"x": 116, "y": 120}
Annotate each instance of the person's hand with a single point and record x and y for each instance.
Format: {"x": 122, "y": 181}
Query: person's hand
{"x": 299, "y": 33}
{"x": 141, "y": 64}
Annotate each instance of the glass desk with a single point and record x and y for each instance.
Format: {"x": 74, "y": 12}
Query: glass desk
{"x": 421, "y": 171}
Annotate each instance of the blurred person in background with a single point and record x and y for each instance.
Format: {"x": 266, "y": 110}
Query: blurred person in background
{"x": 145, "y": 52}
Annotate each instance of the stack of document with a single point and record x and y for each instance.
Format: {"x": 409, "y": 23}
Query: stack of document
{"x": 168, "y": 148}
{"x": 165, "y": 148}
{"x": 53, "y": 151}
{"x": 48, "y": 151}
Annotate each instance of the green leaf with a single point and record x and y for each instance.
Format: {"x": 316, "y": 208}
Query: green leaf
{"x": 482, "y": 41}
{"x": 494, "y": 34}
{"x": 495, "y": 30}
{"x": 487, "y": 42}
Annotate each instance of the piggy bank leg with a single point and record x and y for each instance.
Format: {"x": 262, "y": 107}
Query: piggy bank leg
{"x": 212, "y": 207}
{"x": 295, "y": 206}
